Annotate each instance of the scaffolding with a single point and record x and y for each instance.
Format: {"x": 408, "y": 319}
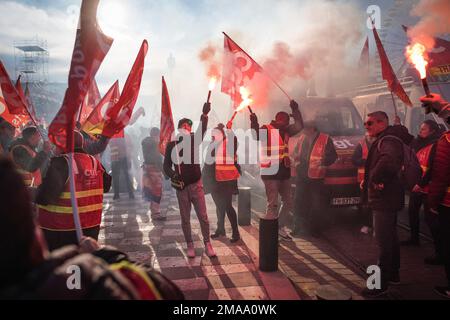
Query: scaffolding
{"x": 31, "y": 60}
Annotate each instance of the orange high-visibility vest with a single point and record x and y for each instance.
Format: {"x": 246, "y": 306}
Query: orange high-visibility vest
{"x": 365, "y": 153}
{"x": 423, "y": 155}
{"x": 225, "y": 167}
{"x": 316, "y": 170}
{"x": 274, "y": 152}
{"x": 31, "y": 179}
{"x": 88, "y": 174}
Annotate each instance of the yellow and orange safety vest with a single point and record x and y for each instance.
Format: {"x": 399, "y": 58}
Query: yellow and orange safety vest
{"x": 225, "y": 163}
{"x": 316, "y": 170}
{"x": 89, "y": 193}
{"x": 274, "y": 152}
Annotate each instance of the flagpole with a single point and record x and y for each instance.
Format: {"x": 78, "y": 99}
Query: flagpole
{"x": 394, "y": 104}
{"x": 264, "y": 71}
{"x": 73, "y": 199}
{"x": 29, "y": 113}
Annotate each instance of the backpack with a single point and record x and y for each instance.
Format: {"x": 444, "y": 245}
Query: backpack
{"x": 411, "y": 171}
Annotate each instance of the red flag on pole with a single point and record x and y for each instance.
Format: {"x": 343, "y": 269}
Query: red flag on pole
{"x": 91, "y": 47}
{"x": 90, "y": 101}
{"x": 119, "y": 115}
{"x": 96, "y": 120}
{"x": 388, "y": 73}
{"x": 13, "y": 100}
{"x": 238, "y": 69}
{"x": 364, "y": 59}
{"x": 167, "y": 125}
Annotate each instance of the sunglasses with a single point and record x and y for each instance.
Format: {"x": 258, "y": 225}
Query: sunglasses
{"x": 369, "y": 123}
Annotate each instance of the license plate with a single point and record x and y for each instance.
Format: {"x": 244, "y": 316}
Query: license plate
{"x": 345, "y": 201}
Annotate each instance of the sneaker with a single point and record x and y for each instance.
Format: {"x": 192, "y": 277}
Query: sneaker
{"x": 366, "y": 230}
{"x": 209, "y": 250}
{"x": 217, "y": 234}
{"x": 374, "y": 293}
{"x": 410, "y": 243}
{"x": 443, "y": 291}
{"x": 158, "y": 217}
{"x": 190, "y": 250}
{"x": 433, "y": 261}
{"x": 235, "y": 238}
{"x": 283, "y": 234}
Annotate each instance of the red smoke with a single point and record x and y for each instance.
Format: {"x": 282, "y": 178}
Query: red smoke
{"x": 212, "y": 59}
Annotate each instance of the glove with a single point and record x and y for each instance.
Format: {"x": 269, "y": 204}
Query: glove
{"x": 433, "y": 103}
{"x": 294, "y": 105}
{"x": 253, "y": 118}
{"x": 206, "y": 108}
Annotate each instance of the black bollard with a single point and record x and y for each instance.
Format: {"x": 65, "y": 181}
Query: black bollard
{"x": 268, "y": 244}
{"x": 244, "y": 206}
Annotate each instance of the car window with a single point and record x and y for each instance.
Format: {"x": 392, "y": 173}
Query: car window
{"x": 334, "y": 119}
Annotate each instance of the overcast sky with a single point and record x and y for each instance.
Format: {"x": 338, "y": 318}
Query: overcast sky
{"x": 178, "y": 27}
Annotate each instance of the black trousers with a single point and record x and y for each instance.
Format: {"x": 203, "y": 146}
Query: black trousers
{"x": 385, "y": 226}
{"x": 117, "y": 167}
{"x": 311, "y": 200}
{"x": 416, "y": 200}
{"x": 58, "y": 239}
{"x": 224, "y": 204}
{"x": 444, "y": 227}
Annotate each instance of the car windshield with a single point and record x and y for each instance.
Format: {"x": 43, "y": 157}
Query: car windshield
{"x": 335, "y": 118}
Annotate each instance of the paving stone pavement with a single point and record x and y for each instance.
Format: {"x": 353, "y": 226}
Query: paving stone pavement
{"x": 232, "y": 275}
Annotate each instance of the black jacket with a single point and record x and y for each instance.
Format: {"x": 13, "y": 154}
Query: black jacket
{"x": 150, "y": 151}
{"x": 383, "y": 165}
{"x": 55, "y": 180}
{"x": 190, "y": 172}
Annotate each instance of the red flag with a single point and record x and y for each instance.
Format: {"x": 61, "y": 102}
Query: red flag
{"x": 91, "y": 47}
{"x": 17, "y": 120}
{"x": 96, "y": 120}
{"x": 238, "y": 69}
{"x": 90, "y": 101}
{"x": 364, "y": 60}
{"x": 388, "y": 73}
{"x": 167, "y": 126}
{"x": 120, "y": 114}
{"x": 12, "y": 98}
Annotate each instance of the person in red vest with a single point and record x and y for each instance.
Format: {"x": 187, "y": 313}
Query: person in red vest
{"x": 439, "y": 188}
{"x": 275, "y": 167}
{"x": 220, "y": 175}
{"x": 25, "y": 155}
{"x": 55, "y": 215}
{"x": 425, "y": 148}
{"x": 313, "y": 153}
{"x": 28, "y": 271}
{"x": 359, "y": 160}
